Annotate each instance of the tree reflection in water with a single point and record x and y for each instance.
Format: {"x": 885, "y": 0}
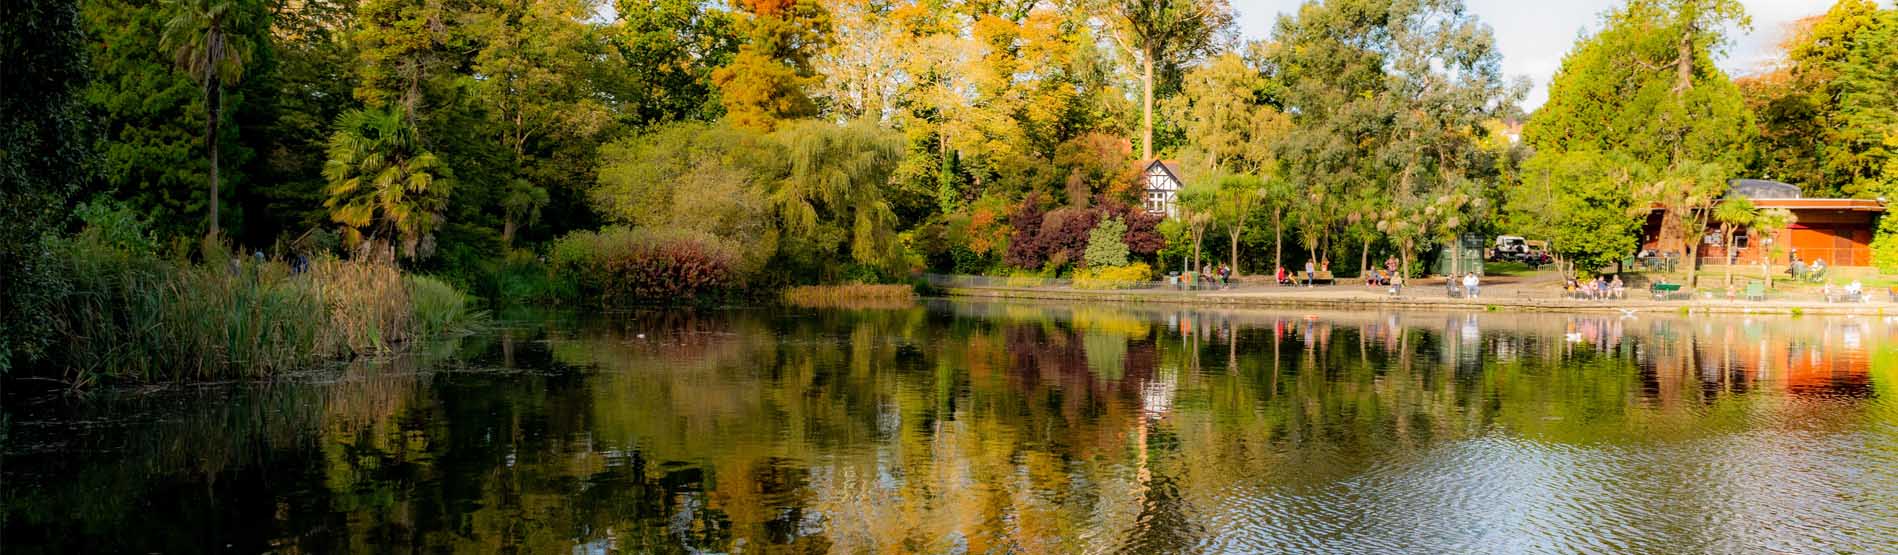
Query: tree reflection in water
{"x": 1004, "y": 427}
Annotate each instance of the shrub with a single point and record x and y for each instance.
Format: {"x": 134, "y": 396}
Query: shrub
{"x": 626, "y": 266}
{"x": 1113, "y": 277}
{"x": 1104, "y": 245}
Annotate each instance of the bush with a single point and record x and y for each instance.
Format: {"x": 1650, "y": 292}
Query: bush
{"x": 1105, "y": 249}
{"x": 620, "y": 266}
{"x": 439, "y": 308}
{"x": 1113, "y": 277}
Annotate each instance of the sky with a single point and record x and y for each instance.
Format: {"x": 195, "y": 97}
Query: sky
{"x": 1533, "y": 35}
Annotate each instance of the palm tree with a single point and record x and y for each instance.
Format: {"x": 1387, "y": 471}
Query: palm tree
{"x": 1767, "y": 223}
{"x": 1734, "y": 214}
{"x": 201, "y": 42}
{"x": 381, "y": 178}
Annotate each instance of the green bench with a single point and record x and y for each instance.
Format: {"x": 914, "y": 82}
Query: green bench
{"x": 1756, "y": 291}
{"x": 1665, "y": 291}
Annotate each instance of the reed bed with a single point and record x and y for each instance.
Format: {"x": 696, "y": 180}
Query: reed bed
{"x": 853, "y": 295}
{"x": 131, "y": 316}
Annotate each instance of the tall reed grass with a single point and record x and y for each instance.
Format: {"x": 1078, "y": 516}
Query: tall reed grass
{"x": 851, "y": 295}
{"x": 130, "y": 315}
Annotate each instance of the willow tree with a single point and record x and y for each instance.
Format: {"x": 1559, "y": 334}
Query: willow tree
{"x": 829, "y": 193}
{"x": 384, "y": 184}
{"x": 1162, "y": 35}
{"x": 200, "y": 38}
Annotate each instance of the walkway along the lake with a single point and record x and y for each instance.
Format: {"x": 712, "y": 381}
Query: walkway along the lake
{"x": 1432, "y": 296}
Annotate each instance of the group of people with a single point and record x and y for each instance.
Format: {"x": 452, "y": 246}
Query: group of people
{"x": 1799, "y": 270}
{"x": 1597, "y": 289}
{"x": 1852, "y": 292}
{"x": 1312, "y": 269}
{"x": 1221, "y": 274}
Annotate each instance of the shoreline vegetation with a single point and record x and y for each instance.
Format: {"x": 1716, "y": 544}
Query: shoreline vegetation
{"x": 755, "y": 152}
{"x": 131, "y": 313}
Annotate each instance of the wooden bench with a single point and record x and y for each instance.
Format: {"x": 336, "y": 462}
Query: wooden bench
{"x": 1666, "y": 291}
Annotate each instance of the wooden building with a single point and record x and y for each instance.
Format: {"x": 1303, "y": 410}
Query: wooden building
{"x": 1162, "y": 183}
{"x": 1836, "y": 230}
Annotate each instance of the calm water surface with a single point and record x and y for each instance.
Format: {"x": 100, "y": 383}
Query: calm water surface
{"x": 959, "y": 427}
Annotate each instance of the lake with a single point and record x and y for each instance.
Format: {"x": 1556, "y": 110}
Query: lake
{"x": 975, "y": 427}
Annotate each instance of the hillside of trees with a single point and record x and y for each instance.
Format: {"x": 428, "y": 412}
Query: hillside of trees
{"x": 662, "y": 148}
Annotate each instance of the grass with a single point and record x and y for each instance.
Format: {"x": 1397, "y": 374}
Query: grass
{"x": 129, "y": 315}
{"x": 853, "y": 295}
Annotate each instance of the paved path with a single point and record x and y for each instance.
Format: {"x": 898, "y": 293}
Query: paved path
{"x": 1503, "y": 293}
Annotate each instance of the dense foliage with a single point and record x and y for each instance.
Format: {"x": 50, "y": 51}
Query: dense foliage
{"x": 787, "y": 142}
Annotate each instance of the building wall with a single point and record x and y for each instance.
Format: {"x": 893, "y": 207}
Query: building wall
{"x": 1840, "y": 237}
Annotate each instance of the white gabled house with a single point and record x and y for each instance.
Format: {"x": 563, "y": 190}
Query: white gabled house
{"x": 1163, "y": 184}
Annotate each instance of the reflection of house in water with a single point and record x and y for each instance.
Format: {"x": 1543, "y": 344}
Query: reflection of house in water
{"x": 1824, "y": 358}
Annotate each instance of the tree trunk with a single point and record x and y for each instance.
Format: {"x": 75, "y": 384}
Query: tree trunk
{"x": 1146, "y": 106}
{"x": 1726, "y": 241}
{"x": 213, "y": 108}
{"x": 507, "y": 232}
{"x": 1278, "y": 239}
{"x": 1234, "y": 259}
{"x": 1684, "y": 61}
{"x": 1364, "y": 258}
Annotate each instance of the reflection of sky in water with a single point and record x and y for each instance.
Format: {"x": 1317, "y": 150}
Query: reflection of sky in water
{"x": 1010, "y": 427}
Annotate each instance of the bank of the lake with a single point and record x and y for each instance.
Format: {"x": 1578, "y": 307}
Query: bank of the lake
{"x": 1348, "y": 297}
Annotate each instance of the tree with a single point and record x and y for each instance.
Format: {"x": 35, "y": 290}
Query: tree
{"x": 531, "y": 79}
{"x": 522, "y": 205}
{"x": 1224, "y": 109}
{"x": 44, "y": 155}
{"x": 1686, "y": 195}
{"x": 202, "y": 39}
{"x": 1734, "y": 213}
{"x": 1582, "y": 202}
{"x": 766, "y": 81}
{"x": 1197, "y": 201}
{"x": 1105, "y": 247}
{"x": 667, "y": 51}
{"x": 383, "y": 180}
{"x": 1166, "y": 34}
{"x": 1766, "y": 225}
{"x": 1234, "y": 200}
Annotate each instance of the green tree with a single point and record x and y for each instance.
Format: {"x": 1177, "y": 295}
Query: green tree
{"x": 1165, "y": 34}
{"x": 1105, "y": 248}
{"x": 668, "y": 50}
{"x": 1687, "y": 194}
{"x": 203, "y": 37}
{"x": 385, "y": 182}
{"x": 1582, "y": 202}
{"x": 44, "y": 155}
{"x": 1234, "y": 200}
{"x": 1766, "y": 225}
{"x": 1734, "y": 213}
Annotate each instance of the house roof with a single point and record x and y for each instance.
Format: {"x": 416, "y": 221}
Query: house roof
{"x": 1758, "y": 189}
{"x": 1851, "y": 204}
{"x": 1172, "y": 168}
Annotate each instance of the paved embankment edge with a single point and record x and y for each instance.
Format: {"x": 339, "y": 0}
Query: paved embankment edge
{"x": 1320, "y": 300}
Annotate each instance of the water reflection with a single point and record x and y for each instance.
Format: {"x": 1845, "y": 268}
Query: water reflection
{"x": 1005, "y": 427}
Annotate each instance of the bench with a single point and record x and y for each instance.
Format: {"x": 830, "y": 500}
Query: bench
{"x": 1845, "y": 297}
{"x": 1755, "y": 291}
{"x": 1666, "y": 291}
{"x": 1298, "y": 278}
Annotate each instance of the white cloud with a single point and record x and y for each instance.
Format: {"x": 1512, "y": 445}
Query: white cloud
{"x": 1534, "y": 34}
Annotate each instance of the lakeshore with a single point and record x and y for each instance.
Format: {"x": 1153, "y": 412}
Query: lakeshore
{"x": 1505, "y": 294}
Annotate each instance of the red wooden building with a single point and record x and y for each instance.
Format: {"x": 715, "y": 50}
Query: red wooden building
{"x": 1836, "y": 230}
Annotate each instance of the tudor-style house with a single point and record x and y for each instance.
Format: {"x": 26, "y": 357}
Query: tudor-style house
{"x": 1163, "y": 183}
